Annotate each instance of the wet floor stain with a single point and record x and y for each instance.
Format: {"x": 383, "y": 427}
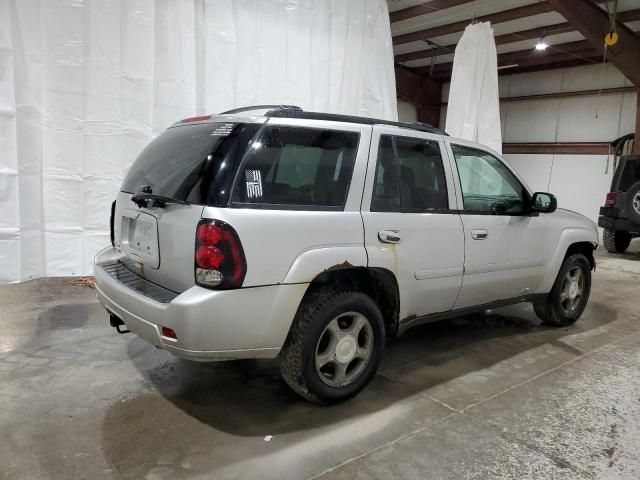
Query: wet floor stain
{"x": 74, "y": 315}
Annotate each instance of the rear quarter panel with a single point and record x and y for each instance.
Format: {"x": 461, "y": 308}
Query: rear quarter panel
{"x": 295, "y": 245}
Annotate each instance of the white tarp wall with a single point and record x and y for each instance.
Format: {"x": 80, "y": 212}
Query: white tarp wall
{"x": 473, "y": 112}
{"x": 85, "y": 84}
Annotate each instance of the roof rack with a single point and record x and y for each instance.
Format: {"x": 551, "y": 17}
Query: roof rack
{"x": 282, "y": 112}
{"x": 261, "y": 107}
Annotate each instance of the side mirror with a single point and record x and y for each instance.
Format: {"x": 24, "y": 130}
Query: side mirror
{"x": 544, "y": 202}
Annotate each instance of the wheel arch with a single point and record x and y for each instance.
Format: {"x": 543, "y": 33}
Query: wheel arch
{"x": 571, "y": 241}
{"x": 585, "y": 248}
{"x": 378, "y": 283}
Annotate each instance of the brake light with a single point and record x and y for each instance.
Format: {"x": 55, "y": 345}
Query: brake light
{"x": 199, "y": 118}
{"x": 169, "y": 333}
{"x": 611, "y": 199}
{"x": 219, "y": 258}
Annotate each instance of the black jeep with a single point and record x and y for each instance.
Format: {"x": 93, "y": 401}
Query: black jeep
{"x": 620, "y": 216}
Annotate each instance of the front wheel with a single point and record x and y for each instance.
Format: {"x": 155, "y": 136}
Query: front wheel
{"x": 334, "y": 347}
{"x": 570, "y": 293}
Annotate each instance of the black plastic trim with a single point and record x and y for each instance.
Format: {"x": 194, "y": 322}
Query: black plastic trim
{"x": 279, "y": 206}
{"x": 404, "y": 326}
{"x": 130, "y": 279}
{"x": 111, "y": 224}
{"x": 333, "y": 117}
{"x": 260, "y": 107}
{"x": 621, "y": 224}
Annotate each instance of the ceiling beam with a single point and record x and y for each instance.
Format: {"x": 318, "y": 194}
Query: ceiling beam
{"x": 494, "y": 18}
{"x": 564, "y": 51}
{"x": 575, "y": 62}
{"x": 593, "y": 23}
{"x": 422, "y": 91}
{"x": 567, "y": 148}
{"x": 424, "y": 9}
{"x": 547, "y": 31}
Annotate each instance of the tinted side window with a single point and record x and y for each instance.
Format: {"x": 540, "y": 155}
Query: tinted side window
{"x": 487, "y": 185}
{"x": 292, "y": 166}
{"x": 386, "y": 190}
{"x": 422, "y": 181}
{"x": 409, "y": 176}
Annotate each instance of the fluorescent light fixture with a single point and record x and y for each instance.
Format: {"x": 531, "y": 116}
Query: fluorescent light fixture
{"x": 542, "y": 44}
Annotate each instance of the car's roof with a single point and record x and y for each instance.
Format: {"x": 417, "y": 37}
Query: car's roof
{"x": 260, "y": 113}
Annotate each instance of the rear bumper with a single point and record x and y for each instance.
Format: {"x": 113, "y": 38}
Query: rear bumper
{"x": 210, "y": 325}
{"x": 622, "y": 224}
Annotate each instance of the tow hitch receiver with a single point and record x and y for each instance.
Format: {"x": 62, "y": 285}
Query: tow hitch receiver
{"x": 118, "y": 324}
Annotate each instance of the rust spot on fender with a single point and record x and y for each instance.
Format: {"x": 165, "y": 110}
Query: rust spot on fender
{"x": 340, "y": 266}
{"x": 408, "y": 318}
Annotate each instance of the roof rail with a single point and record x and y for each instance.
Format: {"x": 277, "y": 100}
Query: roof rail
{"x": 299, "y": 113}
{"x": 261, "y": 107}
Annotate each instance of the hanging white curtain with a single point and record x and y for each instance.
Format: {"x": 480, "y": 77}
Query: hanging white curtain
{"x": 473, "y": 110}
{"x": 85, "y": 84}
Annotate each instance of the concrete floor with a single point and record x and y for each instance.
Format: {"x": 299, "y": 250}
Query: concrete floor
{"x": 493, "y": 396}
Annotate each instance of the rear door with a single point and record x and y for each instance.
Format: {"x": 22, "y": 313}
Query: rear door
{"x": 506, "y": 248}
{"x": 411, "y": 226}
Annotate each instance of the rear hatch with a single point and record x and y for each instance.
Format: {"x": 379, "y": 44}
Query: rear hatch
{"x": 184, "y": 169}
{"x": 627, "y": 173}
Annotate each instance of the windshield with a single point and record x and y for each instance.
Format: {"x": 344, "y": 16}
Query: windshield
{"x": 193, "y": 163}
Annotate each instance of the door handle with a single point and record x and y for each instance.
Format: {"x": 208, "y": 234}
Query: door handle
{"x": 480, "y": 234}
{"x": 389, "y": 236}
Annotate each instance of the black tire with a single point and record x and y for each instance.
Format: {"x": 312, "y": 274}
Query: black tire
{"x": 297, "y": 357}
{"x": 551, "y": 309}
{"x": 633, "y": 209}
{"x": 616, "y": 241}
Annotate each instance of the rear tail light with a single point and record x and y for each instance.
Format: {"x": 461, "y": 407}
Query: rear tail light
{"x": 611, "y": 199}
{"x": 219, "y": 258}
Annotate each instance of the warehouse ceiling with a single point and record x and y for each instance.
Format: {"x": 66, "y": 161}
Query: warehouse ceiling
{"x": 425, "y": 33}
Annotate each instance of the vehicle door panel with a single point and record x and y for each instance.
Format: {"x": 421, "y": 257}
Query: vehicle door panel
{"x": 505, "y": 250}
{"x": 427, "y": 261}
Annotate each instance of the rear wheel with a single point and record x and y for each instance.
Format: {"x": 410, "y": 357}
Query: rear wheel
{"x": 570, "y": 293}
{"x": 632, "y": 202}
{"x": 616, "y": 241}
{"x": 334, "y": 347}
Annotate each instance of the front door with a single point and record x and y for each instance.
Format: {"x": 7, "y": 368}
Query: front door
{"x": 411, "y": 226}
{"x": 505, "y": 245}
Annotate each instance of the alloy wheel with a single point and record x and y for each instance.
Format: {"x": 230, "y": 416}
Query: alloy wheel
{"x": 572, "y": 290}
{"x": 344, "y": 349}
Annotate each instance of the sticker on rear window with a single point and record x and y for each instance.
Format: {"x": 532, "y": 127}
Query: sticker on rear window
{"x": 223, "y": 130}
{"x": 253, "y": 179}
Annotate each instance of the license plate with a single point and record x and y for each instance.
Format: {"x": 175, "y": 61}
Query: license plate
{"x": 140, "y": 232}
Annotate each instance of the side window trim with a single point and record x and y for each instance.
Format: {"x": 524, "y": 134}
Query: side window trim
{"x": 445, "y": 168}
{"x": 458, "y": 183}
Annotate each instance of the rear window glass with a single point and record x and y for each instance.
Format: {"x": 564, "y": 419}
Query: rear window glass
{"x": 291, "y": 166}
{"x": 192, "y": 163}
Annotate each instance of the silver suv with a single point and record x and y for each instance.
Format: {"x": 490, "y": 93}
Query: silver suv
{"x": 273, "y": 232}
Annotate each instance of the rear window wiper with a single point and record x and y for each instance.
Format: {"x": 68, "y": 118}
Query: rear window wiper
{"x": 150, "y": 200}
